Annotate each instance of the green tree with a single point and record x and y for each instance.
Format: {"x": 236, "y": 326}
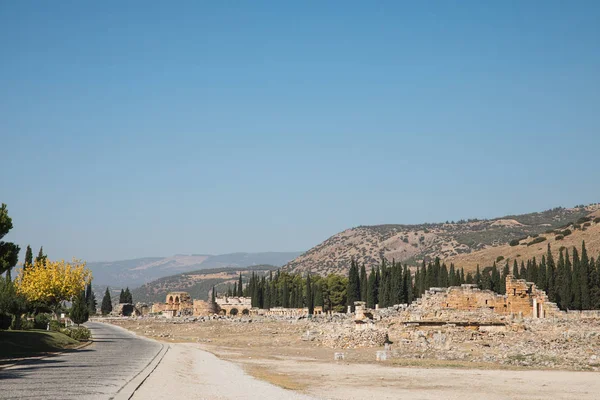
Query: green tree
{"x": 575, "y": 281}
{"x": 353, "y": 290}
{"x": 79, "y": 310}
{"x": 585, "y": 279}
{"x": 128, "y": 297}
{"x": 106, "y": 306}
{"x": 372, "y": 290}
{"x": 9, "y": 252}
{"x": 41, "y": 257}
{"x": 364, "y": 283}
{"x": 122, "y": 298}
{"x": 240, "y": 290}
{"x": 28, "y": 257}
{"x": 90, "y": 299}
{"x": 309, "y": 296}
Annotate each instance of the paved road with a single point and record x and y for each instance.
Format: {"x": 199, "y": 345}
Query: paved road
{"x": 97, "y": 371}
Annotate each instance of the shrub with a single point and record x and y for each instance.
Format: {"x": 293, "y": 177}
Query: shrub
{"x": 566, "y": 232}
{"x": 576, "y": 226}
{"x": 585, "y": 225}
{"x": 55, "y": 326}
{"x": 559, "y": 237}
{"x": 514, "y": 242}
{"x": 80, "y": 333}
{"x": 539, "y": 239}
{"x": 27, "y": 324}
{"x": 41, "y": 321}
{"x": 499, "y": 258}
{"x": 584, "y": 219}
{"x": 597, "y": 220}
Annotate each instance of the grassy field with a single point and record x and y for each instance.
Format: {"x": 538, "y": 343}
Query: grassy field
{"x": 15, "y": 344}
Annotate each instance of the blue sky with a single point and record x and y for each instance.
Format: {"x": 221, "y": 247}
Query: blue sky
{"x": 149, "y": 129}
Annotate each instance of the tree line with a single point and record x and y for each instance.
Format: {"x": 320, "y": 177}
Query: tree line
{"x": 573, "y": 282}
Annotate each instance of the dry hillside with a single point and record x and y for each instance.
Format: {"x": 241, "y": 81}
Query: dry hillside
{"x": 466, "y": 243}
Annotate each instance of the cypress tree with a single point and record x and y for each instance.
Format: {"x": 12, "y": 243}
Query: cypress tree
{"x": 542, "y": 281}
{"x": 318, "y": 295}
{"x": 444, "y": 279}
{"x": 551, "y": 276}
{"x": 41, "y": 257}
{"x": 28, "y": 257}
{"x": 353, "y": 291}
{"x": 496, "y": 280}
{"x": 122, "y": 297}
{"x": 285, "y": 295}
{"x": 90, "y": 299}
{"x": 106, "y": 306}
{"x": 364, "y": 283}
{"x": 128, "y": 297}
{"x": 407, "y": 286}
{"x": 505, "y": 273}
{"x": 79, "y": 310}
{"x": 478, "y": 280}
{"x": 309, "y": 296}
{"x": 452, "y": 276}
{"x": 575, "y": 281}
{"x": 523, "y": 271}
{"x": 584, "y": 279}
{"x": 515, "y": 269}
{"x": 240, "y": 287}
{"x": 595, "y": 282}
{"x": 372, "y": 289}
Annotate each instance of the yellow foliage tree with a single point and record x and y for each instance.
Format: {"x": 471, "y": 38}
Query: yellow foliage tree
{"x": 53, "y": 282}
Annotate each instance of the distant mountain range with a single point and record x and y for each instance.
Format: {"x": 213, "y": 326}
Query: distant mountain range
{"x": 136, "y": 272}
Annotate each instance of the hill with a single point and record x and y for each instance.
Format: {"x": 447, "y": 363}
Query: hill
{"x": 136, "y": 272}
{"x": 466, "y": 243}
{"x": 196, "y": 283}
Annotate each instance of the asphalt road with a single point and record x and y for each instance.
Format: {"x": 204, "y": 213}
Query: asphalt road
{"x": 97, "y": 371}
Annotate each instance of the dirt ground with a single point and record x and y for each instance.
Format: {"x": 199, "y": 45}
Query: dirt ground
{"x": 274, "y": 351}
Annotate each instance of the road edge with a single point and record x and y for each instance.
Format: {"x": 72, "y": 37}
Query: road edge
{"x": 127, "y": 391}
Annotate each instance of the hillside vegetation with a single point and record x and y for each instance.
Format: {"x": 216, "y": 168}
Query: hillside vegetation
{"x": 466, "y": 243}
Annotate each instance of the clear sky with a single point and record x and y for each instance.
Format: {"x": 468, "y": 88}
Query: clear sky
{"x": 149, "y": 128}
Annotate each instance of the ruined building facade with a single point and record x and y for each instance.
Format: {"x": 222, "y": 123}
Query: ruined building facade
{"x": 522, "y": 298}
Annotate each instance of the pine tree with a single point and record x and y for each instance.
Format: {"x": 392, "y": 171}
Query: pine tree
{"x": 9, "y": 252}
{"x": 523, "y": 271}
{"x": 106, "y": 306}
{"x": 515, "y": 271}
{"x": 79, "y": 310}
{"x": 28, "y": 257}
{"x": 240, "y": 290}
{"x": 122, "y": 298}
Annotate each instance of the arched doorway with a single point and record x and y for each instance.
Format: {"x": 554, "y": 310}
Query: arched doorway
{"x": 245, "y": 311}
{"x": 233, "y": 312}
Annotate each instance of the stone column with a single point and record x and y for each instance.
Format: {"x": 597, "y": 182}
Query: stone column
{"x": 535, "y": 310}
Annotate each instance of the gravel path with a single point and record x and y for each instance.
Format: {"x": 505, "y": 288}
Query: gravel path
{"x": 186, "y": 372}
{"x": 97, "y": 371}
